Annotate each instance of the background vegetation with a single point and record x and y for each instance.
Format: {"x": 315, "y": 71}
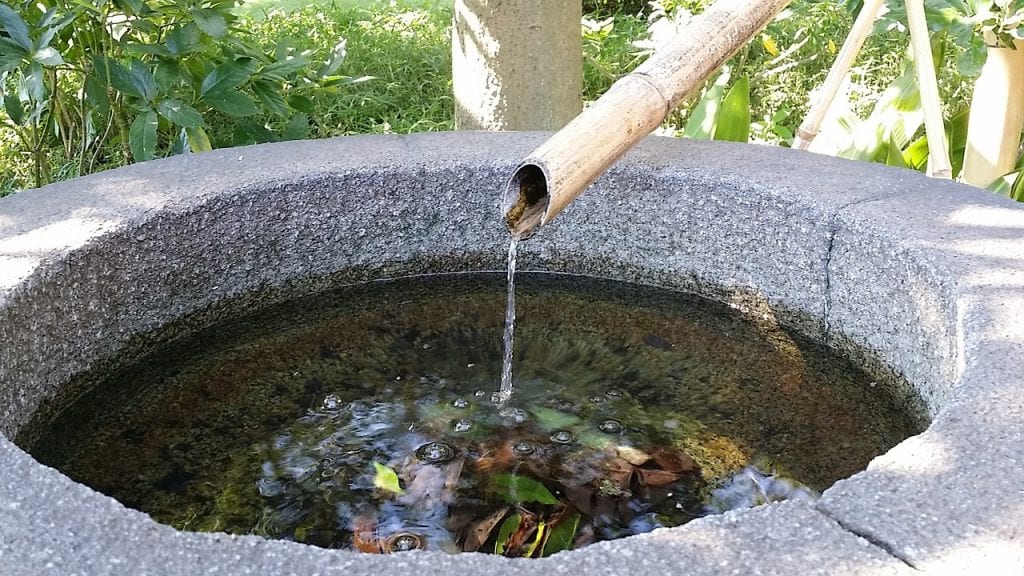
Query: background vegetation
{"x": 92, "y": 84}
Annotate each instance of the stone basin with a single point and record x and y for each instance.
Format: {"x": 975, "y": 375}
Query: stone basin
{"x": 918, "y": 276}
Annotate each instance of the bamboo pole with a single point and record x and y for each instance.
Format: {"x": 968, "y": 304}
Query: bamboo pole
{"x": 997, "y": 116}
{"x": 938, "y": 154}
{"x": 840, "y": 68}
{"x": 559, "y": 170}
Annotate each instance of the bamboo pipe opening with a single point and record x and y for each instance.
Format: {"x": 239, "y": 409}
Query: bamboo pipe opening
{"x": 525, "y": 201}
{"x": 554, "y": 174}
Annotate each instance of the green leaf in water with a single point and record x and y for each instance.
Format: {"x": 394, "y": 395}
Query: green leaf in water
{"x": 562, "y": 535}
{"x": 385, "y": 479}
{"x": 542, "y": 529}
{"x": 551, "y": 420}
{"x": 513, "y": 489}
{"x": 508, "y": 527}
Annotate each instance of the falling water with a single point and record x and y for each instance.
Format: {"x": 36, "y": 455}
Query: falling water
{"x": 505, "y": 392}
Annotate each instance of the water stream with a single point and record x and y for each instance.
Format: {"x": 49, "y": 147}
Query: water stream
{"x": 505, "y": 392}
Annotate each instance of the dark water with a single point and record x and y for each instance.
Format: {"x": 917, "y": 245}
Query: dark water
{"x": 364, "y": 418}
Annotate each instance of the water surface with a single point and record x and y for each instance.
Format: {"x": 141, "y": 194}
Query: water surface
{"x": 364, "y": 418}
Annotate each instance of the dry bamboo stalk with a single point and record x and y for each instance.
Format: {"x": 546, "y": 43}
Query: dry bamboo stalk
{"x": 997, "y": 116}
{"x": 844, "y": 60}
{"x": 559, "y": 170}
{"x": 938, "y": 154}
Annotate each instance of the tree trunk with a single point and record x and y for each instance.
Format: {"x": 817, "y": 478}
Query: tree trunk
{"x": 517, "y": 64}
{"x": 997, "y": 115}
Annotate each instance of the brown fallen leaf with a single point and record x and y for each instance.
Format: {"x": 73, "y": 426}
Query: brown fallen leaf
{"x": 673, "y": 460}
{"x": 582, "y": 498}
{"x": 365, "y": 537}
{"x": 518, "y": 540}
{"x": 429, "y": 487}
{"x": 655, "y": 477}
{"x": 619, "y": 471}
{"x": 495, "y": 457}
{"x": 479, "y": 532}
{"x": 584, "y": 536}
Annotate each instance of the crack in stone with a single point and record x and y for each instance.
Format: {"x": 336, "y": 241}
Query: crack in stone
{"x": 827, "y": 304}
{"x": 882, "y": 545}
{"x": 833, "y": 231}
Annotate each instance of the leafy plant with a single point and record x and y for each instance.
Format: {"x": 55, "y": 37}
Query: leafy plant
{"x": 111, "y": 82}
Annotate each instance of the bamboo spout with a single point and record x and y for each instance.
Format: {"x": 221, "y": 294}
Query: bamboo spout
{"x": 559, "y": 170}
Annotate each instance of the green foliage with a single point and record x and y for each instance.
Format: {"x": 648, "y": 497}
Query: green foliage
{"x": 508, "y": 527}
{"x": 612, "y": 7}
{"x": 101, "y": 82}
{"x": 733, "y": 121}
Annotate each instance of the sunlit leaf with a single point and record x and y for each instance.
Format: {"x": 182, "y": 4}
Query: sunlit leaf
{"x": 334, "y": 59}
{"x": 733, "y": 121}
{"x": 1017, "y": 191}
{"x": 701, "y": 124}
{"x": 179, "y": 113}
{"x": 142, "y": 136}
{"x": 232, "y": 103}
{"x": 514, "y": 489}
{"x": 227, "y": 77}
{"x": 198, "y": 141}
{"x": 894, "y": 156}
{"x": 210, "y": 21}
{"x": 285, "y": 67}
{"x": 15, "y": 27}
{"x": 386, "y": 479}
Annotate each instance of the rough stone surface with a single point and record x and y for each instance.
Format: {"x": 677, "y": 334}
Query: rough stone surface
{"x": 925, "y": 275}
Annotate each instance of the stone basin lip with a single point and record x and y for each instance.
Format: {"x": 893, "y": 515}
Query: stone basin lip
{"x": 927, "y": 275}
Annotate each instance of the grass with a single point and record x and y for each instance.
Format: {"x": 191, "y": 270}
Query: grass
{"x": 402, "y": 48}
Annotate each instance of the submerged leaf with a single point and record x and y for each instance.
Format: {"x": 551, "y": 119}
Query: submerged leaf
{"x": 515, "y": 489}
{"x": 541, "y": 533}
{"x": 364, "y": 535}
{"x": 386, "y": 479}
{"x": 562, "y": 533}
{"x": 656, "y": 477}
{"x": 508, "y": 527}
{"x": 480, "y": 532}
{"x": 550, "y": 420}
{"x": 673, "y": 460}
